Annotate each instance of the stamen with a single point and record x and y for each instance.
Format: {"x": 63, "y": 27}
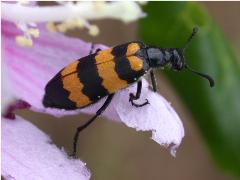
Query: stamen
{"x": 67, "y": 15}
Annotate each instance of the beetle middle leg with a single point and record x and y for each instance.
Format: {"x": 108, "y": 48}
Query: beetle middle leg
{"x": 80, "y": 128}
{"x": 133, "y": 97}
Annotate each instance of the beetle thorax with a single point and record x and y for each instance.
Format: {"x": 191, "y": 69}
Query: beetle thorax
{"x": 160, "y": 57}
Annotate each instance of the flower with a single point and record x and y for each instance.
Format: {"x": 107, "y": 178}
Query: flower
{"x": 28, "y": 71}
{"x": 27, "y": 153}
{"x": 68, "y": 15}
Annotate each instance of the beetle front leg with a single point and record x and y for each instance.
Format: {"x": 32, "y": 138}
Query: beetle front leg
{"x": 154, "y": 84}
{"x": 133, "y": 97}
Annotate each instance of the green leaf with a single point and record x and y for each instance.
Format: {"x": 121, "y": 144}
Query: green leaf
{"x": 216, "y": 110}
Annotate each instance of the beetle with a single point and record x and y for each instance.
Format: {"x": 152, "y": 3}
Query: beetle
{"x": 105, "y": 72}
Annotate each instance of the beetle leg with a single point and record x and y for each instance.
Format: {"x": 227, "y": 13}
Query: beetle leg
{"x": 133, "y": 97}
{"x": 154, "y": 84}
{"x": 98, "y": 50}
{"x": 80, "y": 128}
{"x": 92, "y": 48}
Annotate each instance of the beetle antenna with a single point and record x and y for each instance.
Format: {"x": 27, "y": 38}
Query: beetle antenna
{"x": 194, "y": 31}
{"x": 209, "y": 78}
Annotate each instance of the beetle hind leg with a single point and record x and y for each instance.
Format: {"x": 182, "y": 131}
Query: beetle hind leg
{"x": 133, "y": 97}
{"x": 80, "y": 128}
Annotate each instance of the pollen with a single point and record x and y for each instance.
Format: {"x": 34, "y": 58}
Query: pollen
{"x": 51, "y": 27}
{"x": 73, "y": 23}
{"x": 93, "y": 30}
{"x": 34, "y": 32}
{"x": 24, "y": 41}
{"x": 80, "y": 23}
{"x": 62, "y": 27}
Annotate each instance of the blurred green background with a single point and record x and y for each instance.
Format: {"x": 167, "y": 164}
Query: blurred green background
{"x": 211, "y": 147}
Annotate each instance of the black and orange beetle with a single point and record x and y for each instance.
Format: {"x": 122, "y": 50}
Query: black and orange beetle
{"x": 105, "y": 72}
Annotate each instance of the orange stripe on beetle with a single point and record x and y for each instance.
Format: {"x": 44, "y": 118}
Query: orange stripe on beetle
{"x": 73, "y": 85}
{"x": 106, "y": 70}
{"x": 132, "y": 49}
{"x": 135, "y": 62}
{"x": 70, "y": 68}
{"x": 111, "y": 80}
{"x": 104, "y": 56}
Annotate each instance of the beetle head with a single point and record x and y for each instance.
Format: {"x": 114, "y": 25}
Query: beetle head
{"x": 175, "y": 58}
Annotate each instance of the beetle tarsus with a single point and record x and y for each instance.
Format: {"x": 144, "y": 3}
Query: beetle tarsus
{"x": 133, "y": 97}
{"x": 98, "y": 50}
{"x": 138, "y": 105}
{"x": 92, "y": 48}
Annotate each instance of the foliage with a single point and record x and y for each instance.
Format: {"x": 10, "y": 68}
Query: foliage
{"x": 216, "y": 110}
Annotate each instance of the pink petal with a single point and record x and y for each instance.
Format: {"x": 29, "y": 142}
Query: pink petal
{"x": 27, "y": 153}
{"x": 31, "y": 68}
{"x": 6, "y": 90}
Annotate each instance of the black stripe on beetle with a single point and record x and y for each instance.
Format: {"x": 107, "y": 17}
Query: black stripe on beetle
{"x": 89, "y": 77}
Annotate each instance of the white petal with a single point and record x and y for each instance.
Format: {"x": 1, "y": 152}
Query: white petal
{"x": 27, "y": 153}
{"x": 158, "y": 117}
